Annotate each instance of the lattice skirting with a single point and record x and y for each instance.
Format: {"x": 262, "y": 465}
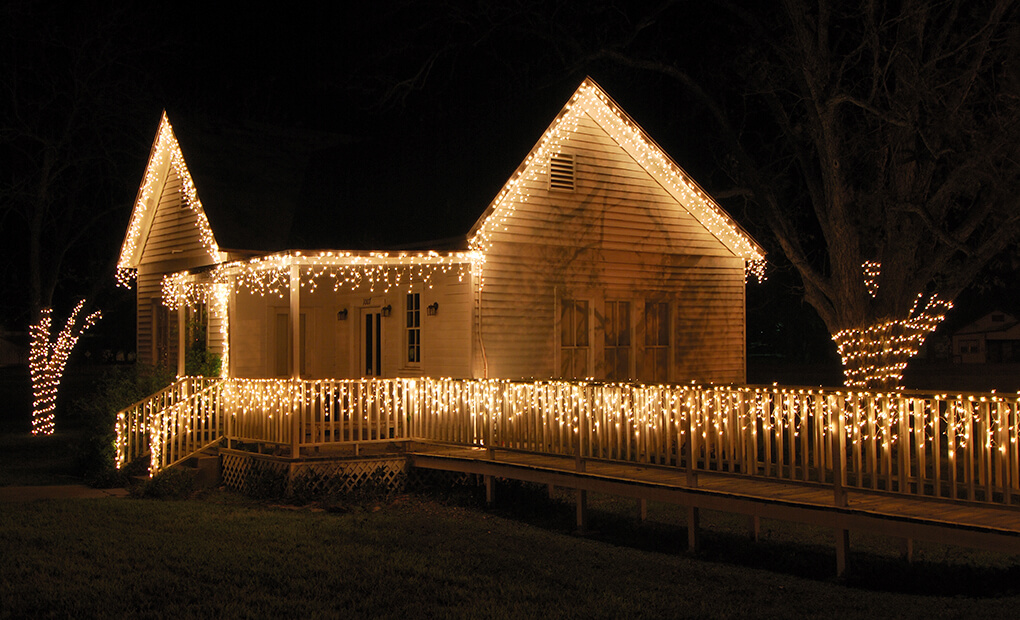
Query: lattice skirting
{"x": 266, "y": 476}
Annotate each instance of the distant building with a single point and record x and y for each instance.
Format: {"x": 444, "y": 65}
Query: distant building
{"x": 994, "y": 338}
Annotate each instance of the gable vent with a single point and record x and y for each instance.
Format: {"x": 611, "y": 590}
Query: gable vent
{"x": 561, "y": 172}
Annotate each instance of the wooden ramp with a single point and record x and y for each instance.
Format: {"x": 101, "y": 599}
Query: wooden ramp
{"x": 969, "y": 524}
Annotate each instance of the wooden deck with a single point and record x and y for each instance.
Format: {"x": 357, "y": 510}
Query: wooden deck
{"x": 969, "y": 524}
{"x": 929, "y": 466}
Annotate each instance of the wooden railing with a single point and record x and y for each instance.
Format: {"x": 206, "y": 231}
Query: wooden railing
{"x": 133, "y": 426}
{"x": 959, "y": 446}
{"x": 315, "y": 413}
{"x": 191, "y": 424}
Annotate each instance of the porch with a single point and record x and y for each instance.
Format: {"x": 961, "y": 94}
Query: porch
{"x": 911, "y": 464}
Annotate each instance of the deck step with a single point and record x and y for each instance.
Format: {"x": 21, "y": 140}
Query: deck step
{"x": 207, "y": 468}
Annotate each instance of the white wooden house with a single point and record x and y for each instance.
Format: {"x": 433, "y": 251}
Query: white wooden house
{"x": 600, "y": 257}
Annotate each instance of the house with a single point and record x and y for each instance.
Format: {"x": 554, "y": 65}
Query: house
{"x": 995, "y": 337}
{"x": 599, "y": 258}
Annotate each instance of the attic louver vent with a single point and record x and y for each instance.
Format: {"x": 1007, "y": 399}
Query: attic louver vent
{"x": 561, "y": 172}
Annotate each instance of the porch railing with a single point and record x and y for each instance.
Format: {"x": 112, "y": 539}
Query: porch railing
{"x": 960, "y": 446}
{"x": 134, "y": 423}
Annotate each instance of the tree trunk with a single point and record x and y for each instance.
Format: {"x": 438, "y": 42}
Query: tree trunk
{"x": 47, "y": 360}
{"x": 875, "y": 357}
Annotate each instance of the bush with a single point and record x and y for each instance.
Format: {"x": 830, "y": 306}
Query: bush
{"x": 264, "y": 482}
{"x": 119, "y": 388}
{"x": 202, "y": 363}
{"x": 171, "y": 483}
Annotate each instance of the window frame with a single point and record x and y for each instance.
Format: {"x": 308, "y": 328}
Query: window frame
{"x": 651, "y": 344}
{"x": 573, "y": 349}
{"x": 412, "y": 329}
{"x": 627, "y": 325}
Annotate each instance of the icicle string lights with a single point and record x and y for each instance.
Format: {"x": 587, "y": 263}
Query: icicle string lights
{"x": 47, "y": 360}
{"x": 165, "y": 151}
{"x": 779, "y": 432}
{"x": 343, "y": 271}
{"x": 590, "y": 100}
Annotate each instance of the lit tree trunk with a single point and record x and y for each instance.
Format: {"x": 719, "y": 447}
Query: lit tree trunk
{"x": 869, "y": 134}
{"x": 47, "y": 360}
{"x": 874, "y": 357}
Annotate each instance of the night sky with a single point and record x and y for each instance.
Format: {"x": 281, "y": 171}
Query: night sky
{"x": 435, "y": 102}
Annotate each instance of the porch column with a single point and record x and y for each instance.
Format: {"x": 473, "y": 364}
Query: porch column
{"x": 295, "y": 354}
{"x": 181, "y": 338}
{"x": 295, "y": 322}
{"x": 231, "y": 315}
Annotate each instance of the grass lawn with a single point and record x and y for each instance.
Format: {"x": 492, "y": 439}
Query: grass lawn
{"x": 444, "y": 556}
{"x": 44, "y": 460}
{"x": 408, "y": 557}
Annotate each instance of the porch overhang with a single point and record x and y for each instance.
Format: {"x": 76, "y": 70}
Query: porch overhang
{"x": 344, "y": 270}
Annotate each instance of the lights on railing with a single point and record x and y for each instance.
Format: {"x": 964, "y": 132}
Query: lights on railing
{"x": 616, "y": 420}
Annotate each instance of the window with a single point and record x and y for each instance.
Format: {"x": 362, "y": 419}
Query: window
{"x": 969, "y": 346}
{"x": 574, "y": 339}
{"x": 617, "y": 328}
{"x": 655, "y": 362}
{"x": 413, "y": 328}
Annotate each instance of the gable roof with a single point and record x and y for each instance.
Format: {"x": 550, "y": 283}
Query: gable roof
{"x": 261, "y": 182}
{"x": 995, "y": 322}
{"x": 590, "y": 99}
{"x": 164, "y": 155}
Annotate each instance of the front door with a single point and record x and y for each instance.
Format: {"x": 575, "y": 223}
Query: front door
{"x": 371, "y": 342}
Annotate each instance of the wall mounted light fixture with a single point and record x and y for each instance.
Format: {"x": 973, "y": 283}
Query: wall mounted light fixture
{"x": 432, "y": 309}
{"x": 387, "y": 310}
{"x": 341, "y": 315}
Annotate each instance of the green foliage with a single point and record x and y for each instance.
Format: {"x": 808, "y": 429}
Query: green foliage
{"x": 198, "y": 360}
{"x": 119, "y": 388}
{"x": 223, "y": 556}
{"x": 202, "y": 363}
{"x": 264, "y": 482}
{"x": 171, "y": 483}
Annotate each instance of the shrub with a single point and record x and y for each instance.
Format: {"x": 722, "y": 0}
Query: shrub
{"x": 264, "y": 482}
{"x": 171, "y": 483}
{"x": 120, "y": 387}
{"x": 202, "y": 363}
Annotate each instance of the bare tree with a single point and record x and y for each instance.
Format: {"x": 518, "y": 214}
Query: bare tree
{"x": 879, "y": 140}
{"x": 63, "y": 90}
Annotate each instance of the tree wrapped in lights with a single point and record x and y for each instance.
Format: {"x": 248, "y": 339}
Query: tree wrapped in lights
{"x": 883, "y": 133}
{"x": 876, "y": 356}
{"x": 47, "y": 360}
{"x": 898, "y": 158}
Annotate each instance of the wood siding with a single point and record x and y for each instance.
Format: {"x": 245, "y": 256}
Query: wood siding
{"x": 173, "y": 244}
{"x": 618, "y": 236}
{"x": 333, "y": 346}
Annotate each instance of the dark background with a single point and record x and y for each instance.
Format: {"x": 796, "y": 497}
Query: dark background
{"x": 431, "y": 104}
